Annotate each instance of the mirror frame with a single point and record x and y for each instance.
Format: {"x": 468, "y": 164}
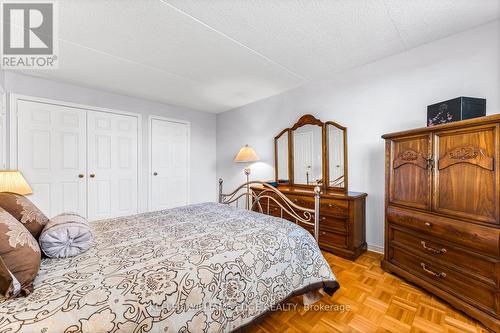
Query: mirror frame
{"x": 309, "y": 119}
{"x": 327, "y": 155}
{"x": 276, "y": 138}
{"x": 306, "y": 120}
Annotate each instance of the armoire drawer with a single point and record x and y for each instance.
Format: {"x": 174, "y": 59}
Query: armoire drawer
{"x": 481, "y": 267}
{"x": 476, "y": 237}
{"x": 445, "y": 278}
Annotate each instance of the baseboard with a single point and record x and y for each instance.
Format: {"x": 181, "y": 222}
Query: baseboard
{"x": 375, "y": 248}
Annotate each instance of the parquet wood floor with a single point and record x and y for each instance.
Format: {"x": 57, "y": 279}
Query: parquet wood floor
{"x": 379, "y": 302}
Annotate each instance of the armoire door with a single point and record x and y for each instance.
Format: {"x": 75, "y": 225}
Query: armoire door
{"x": 169, "y": 164}
{"x": 466, "y": 173}
{"x": 51, "y": 153}
{"x": 409, "y": 172}
{"x": 112, "y": 165}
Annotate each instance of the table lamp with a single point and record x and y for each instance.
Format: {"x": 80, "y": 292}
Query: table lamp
{"x": 14, "y": 182}
{"x": 246, "y": 155}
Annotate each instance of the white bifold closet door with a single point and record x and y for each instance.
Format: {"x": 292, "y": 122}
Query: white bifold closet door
{"x": 112, "y": 165}
{"x": 52, "y": 155}
{"x": 78, "y": 160}
{"x": 169, "y": 164}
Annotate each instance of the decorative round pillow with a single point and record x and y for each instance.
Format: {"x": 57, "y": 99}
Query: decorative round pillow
{"x": 66, "y": 235}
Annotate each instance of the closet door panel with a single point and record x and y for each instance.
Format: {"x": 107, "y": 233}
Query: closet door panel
{"x": 51, "y": 150}
{"x": 112, "y": 165}
{"x": 169, "y": 163}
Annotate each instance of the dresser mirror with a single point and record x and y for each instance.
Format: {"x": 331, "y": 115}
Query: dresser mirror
{"x": 281, "y": 147}
{"x": 336, "y": 146}
{"x": 312, "y": 153}
{"x": 308, "y": 155}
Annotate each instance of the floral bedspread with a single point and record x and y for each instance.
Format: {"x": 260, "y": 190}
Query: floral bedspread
{"x": 200, "y": 268}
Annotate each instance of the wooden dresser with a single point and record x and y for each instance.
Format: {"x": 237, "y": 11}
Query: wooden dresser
{"x": 342, "y": 218}
{"x": 442, "y": 213}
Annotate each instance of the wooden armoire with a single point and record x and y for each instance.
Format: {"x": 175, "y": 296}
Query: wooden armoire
{"x": 442, "y": 213}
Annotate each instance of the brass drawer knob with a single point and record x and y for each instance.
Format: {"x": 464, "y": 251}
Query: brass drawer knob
{"x": 428, "y": 224}
{"x": 431, "y": 249}
{"x": 430, "y": 272}
{"x": 323, "y": 218}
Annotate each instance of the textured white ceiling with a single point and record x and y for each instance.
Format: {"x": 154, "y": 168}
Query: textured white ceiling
{"x": 220, "y": 54}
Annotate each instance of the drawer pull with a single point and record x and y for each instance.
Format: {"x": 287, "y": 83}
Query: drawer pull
{"x": 428, "y": 224}
{"x": 428, "y": 271}
{"x": 433, "y": 250}
{"x": 323, "y": 218}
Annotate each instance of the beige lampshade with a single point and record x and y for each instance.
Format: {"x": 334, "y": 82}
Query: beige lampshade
{"x": 14, "y": 182}
{"x": 246, "y": 154}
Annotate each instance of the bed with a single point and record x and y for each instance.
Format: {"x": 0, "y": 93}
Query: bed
{"x": 201, "y": 268}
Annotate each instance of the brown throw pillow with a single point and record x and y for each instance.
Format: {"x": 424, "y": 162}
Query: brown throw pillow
{"x": 6, "y": 282}
{"x": 25, "y": 212}
{"x": 19, "y": 252}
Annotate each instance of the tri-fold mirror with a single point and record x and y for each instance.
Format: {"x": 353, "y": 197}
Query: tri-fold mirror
{"x": 312, "y": 153}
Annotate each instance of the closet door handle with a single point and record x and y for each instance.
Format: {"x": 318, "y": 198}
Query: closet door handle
{"x": 92, "y": 175}
{"x": 155, "y": 173}
{"x": 81, "y": 175}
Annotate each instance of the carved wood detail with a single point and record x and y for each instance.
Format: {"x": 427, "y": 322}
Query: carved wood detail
{"x": 466, "y": 154}
{"x": 307, "y": 119}
{"x": 410, "y": 156}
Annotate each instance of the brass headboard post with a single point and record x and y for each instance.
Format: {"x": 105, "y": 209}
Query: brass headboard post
{"x": 220, "y": 190}
{"x": 317, "y": 192}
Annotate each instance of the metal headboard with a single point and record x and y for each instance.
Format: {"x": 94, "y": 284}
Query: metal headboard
{"x": 271, "y": 194}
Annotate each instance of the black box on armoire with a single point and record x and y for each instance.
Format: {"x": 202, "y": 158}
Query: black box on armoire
{"x": 456, "y": 109}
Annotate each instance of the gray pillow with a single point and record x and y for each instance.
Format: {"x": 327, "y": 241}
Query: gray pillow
{"x": 66, "y": 235}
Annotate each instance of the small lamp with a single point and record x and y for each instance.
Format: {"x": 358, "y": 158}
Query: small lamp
{"x": 246, "y": 155}
{"x": 14, "y": 182}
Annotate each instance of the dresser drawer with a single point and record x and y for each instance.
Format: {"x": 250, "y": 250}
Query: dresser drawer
{"x": 476, "y": 237}
{"x": 327, "y": 238}
{"x": 334, "y": 208}
{"x": 333, "y": 223}
{"x": 331, "y": 207}
{"x": 307, "y": 202}
{"x": 446, "y": 279}
{"x": 483, "y": 268}
{"x": 331, "y": 239}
